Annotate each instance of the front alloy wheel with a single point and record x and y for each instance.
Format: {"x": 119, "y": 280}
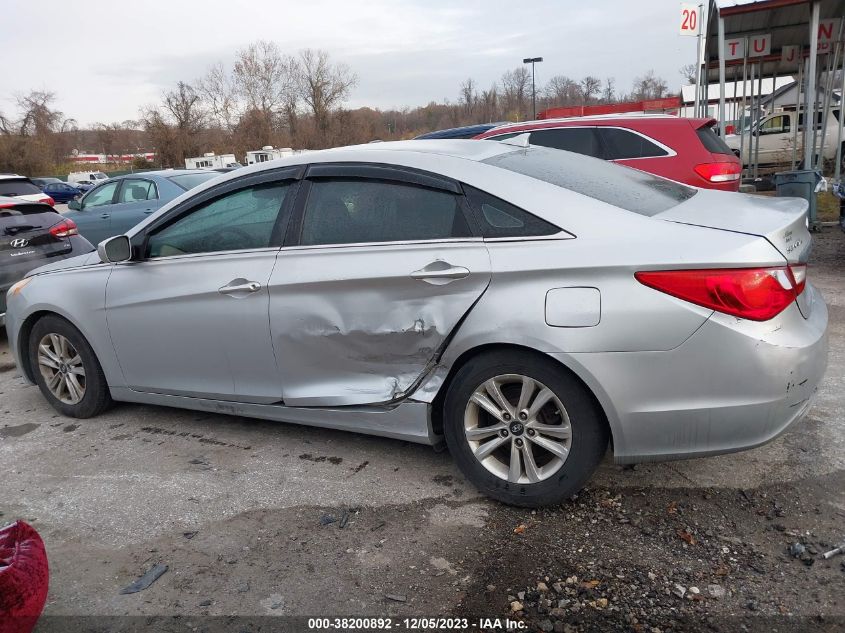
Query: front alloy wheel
{"x": 61, "y": 366}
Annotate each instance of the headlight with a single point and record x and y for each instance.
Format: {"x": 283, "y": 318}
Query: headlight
{"x": 19, "y": 286}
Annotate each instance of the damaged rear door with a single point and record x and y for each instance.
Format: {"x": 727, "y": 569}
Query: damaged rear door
{"x": 379, "y": 267}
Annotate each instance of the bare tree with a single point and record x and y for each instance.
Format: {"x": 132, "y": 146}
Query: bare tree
{"x": 562, "y": 91}
{"x": 688, "y": 72}
{"x": 649, "y": 86}
{"x": 323, "y": 85}
{"x": 514, "y": 91}
{"x": 490, "y": 104}
{"x": 469, "y": 95}
{"x": 590, "y": 86}
{"x": 175, "y": 127}
{"x": 218, "y": 92}
{"x": 608, "y": 93}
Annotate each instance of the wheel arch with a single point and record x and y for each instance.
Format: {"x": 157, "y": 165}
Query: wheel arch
{"x": 25, "y": 331}
{"x": 600, "y": 398}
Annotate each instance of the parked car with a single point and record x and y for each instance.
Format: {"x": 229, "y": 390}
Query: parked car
{"x": 118, "y": 204}
{"x": 467, "y": 131}
{"x": 685, "y": 150}
{"x": 16, "y": 186}
{"x": 525, "y": 304}
{"x": 88, "y": 176}
{"x": 775, "y": 137}
{"x": 84, "y": 185}
{"x": 44, "y": 181}
{"x": 32, "y": 234}
{"x": 61, "y": 191}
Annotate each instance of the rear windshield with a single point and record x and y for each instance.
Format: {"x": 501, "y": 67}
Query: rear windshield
{"x": 712, "y": 142}
{"x": 626, "y": 188}
{"x": 22, "y": 217}
{"x": 17, "y": 187}
{"x": 189, "y": 181}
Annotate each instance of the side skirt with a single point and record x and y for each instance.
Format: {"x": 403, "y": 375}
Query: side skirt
{"x": 409, "y": 421}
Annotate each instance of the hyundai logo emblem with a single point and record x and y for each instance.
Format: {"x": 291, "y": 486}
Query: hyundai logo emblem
{"x": 19, "y": 243}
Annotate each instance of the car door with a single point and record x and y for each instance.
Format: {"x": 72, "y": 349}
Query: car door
{"x": 189, "y": 317}
{"x": 94, "y": 216}
{"x": 380, "y": 267}
{"x": 136, "y": 199}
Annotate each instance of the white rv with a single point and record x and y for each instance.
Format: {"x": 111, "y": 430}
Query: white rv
{"x": 268, "y": 152}
{"x": 210, "y": 160}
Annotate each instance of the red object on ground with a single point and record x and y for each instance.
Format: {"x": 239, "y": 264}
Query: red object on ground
{"x": 24, "y": 578}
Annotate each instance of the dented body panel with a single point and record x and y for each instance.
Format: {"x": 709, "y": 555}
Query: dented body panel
{"x": 351, "y": 326}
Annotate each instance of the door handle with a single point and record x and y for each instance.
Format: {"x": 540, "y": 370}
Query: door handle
{"x": 105, "y": 216}
{"x": 440, "y": 272}
{"x": 239, "y": 288}
{"x": 148, "y": 211}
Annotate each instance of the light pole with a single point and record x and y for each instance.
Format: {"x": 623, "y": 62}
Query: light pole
{"x": 532, "y": 61}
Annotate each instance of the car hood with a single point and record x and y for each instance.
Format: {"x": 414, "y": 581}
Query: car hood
{"x": 88, "y": 259}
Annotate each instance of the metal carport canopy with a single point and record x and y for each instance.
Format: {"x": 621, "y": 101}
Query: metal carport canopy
{"x": 787, "y": 20}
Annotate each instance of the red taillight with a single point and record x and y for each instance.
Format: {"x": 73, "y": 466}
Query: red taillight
{"x": 65, "y": 228}
{"x": 758, "y": 294}
{"x": 719, "y": 172}
{"x": 49, "y": 201}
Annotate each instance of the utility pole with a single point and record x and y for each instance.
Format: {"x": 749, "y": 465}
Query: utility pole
{"x": 532, "y": 61}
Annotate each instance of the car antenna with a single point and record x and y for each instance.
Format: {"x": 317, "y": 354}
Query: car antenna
{"x": 520, "y": 140}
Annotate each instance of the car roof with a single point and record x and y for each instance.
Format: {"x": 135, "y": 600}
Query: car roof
{"x": 623, "y": 120}
{"x": 160, "y": 173}
{"x": 12, "y": 177}
{"x": 459, "y": 132}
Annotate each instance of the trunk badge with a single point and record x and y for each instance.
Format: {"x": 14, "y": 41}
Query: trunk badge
{"x": 19, "y": 243}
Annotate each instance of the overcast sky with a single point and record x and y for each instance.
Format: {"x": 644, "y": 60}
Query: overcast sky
{"x": 106, "y": 60}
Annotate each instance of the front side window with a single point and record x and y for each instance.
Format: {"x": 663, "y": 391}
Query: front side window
{"x": 242, "y": 219}
{"x": 351, "y": 211}
{"x": 100, "y": 196}
{"x": 775, "y": 125}
{"x": 621, "y": 144}
{"x": 581, "y": 140}
{"x": 135, "y": 190}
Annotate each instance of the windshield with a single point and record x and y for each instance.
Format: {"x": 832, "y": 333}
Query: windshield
{"x": 189, "y": 181}
{"x": 17, "y": 187}
{"x": 623, "y": 187}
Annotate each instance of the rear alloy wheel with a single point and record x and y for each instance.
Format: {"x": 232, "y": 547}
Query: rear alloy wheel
{"x": 66, "y": 369}
{"x": 522, "y": 429}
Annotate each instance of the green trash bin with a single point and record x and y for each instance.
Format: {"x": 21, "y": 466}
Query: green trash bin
{"x": 800, "y": 183}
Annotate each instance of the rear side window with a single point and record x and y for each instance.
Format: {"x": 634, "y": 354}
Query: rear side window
{"x": 353, "y": 211}
{"x": 621, "y": 144}
{"x": 581, "y": 140}
{"x": 498, "y": 218}
{"x": 626, "y": 188}
{"x": 17, "y": 187}
{"x": 712, "y": 142}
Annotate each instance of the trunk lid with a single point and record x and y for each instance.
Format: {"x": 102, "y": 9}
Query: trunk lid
{"x": 780, "y": 221}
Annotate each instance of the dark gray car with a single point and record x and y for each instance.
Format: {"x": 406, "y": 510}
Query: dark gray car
{"x": 32, "y": 234}
{"x": 116, "y": 205}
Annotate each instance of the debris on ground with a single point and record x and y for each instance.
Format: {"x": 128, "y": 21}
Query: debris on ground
{"x": 145, "y": 581}
{"x": 836, "y": 550}
{"x": 395, "y": 597}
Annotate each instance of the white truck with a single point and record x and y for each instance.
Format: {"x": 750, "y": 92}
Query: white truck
{"x": 86, "y": 177}
{"x": 210, "y": 160}
{"x": 777, "y": 137}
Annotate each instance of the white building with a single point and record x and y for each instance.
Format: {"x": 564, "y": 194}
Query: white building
{"x": 269, "y": 153}
{"x": 211, "y": 161}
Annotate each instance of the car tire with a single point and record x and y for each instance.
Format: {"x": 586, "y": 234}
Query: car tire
{"x": 546, "y": 477}
{"x": 66, "y": 369}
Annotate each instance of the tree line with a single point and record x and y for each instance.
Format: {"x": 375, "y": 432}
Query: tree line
{"x": 267, "y": 97}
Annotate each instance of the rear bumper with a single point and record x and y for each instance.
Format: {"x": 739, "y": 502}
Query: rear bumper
{"x": 733, "y": 385}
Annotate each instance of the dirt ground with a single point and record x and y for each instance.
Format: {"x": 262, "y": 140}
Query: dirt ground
{"x": 258, "y": 522}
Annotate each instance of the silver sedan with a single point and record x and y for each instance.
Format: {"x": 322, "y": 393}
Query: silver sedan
{"x": 526, "y": 306}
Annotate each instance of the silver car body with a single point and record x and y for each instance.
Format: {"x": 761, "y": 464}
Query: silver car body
{"x": 349, "y": 337}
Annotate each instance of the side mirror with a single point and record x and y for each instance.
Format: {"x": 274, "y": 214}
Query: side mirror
{"x": 74, "y": 205}
{"x": 115, "y": 249}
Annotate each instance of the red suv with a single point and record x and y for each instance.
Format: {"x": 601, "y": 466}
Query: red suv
{"x": 686, "y": 150}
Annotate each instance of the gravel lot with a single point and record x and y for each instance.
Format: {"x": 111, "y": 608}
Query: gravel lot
{"x": 254, "y": 518}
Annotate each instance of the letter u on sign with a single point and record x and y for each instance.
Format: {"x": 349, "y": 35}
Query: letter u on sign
{"x": 760, "y": 45}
